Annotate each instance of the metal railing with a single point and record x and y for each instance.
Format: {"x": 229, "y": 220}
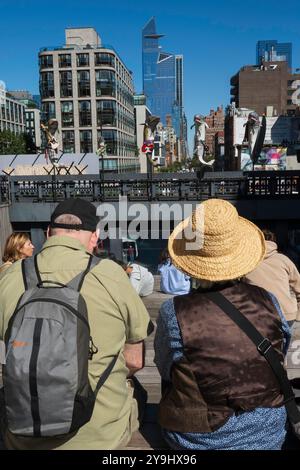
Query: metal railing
{"x": 251, "y": 185}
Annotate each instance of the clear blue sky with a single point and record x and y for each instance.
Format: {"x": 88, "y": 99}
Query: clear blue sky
{"x": 216, "y": 38}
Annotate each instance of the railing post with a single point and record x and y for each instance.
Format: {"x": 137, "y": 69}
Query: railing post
{"x": 179, "y": 190}
{"x": 153, "y": 189}
{"x": 12, "y": 191}
{"x": 67, "y": 189}
{"x": 40, "y": 191}
{"x": 273, "y": 185}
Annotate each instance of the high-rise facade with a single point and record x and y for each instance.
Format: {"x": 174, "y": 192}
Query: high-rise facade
{"x": 269, "y": 85}
{"x": 86, "y": 86}
{"x": 12, "y": 115}
{"x": 273, "y": 51}
{"x": 32, "y": 114}
{"x": 162, "y": 80}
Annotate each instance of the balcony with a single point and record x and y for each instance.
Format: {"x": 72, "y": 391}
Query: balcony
{"x": 65, "y": 61}
{"x": 66, "y": 89}
{"x": 47, "y": 90}
{"x": 84, "y": 88}
{"x": 104, "y": 59}
{"x": 86, "y": 146}
{"x": 46, "y": 62}
{"x": 82, "y": 60}
{"x": 105, "y": 89}
{"x": 85, "y": 118}
{"x": 67, "y": 119}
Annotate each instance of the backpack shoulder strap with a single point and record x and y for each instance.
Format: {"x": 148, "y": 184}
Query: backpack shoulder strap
{"x": 30, "y": 272}
{"x": 77, "y": 281}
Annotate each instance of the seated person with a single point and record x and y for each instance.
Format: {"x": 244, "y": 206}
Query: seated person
{"x": 172, "y": 281}
{"x": 220, "y": 393}
{"x": 141, "y": 279}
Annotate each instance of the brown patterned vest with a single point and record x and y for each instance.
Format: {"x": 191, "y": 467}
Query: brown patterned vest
{"x": 222, "y": 372}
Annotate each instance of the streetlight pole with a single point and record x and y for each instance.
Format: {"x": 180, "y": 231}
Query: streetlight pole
{"x": 100, "y": 152}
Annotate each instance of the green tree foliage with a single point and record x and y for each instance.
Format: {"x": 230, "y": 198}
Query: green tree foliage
{"x": 173, "y": 168}
{"x": 11, "y": 144}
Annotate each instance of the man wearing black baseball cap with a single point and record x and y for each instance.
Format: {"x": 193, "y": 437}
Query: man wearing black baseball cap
{"x": 80, "y": 208}
{"x": 118, "y": 323}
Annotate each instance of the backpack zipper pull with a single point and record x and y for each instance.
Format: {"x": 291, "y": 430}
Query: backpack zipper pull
{"x": 92, "y": 349}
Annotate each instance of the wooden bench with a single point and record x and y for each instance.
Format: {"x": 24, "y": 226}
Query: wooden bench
{"x": 149, "y": 435}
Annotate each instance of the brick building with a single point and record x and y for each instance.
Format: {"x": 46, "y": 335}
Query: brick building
{"x": 268, "y": 85}
{"x": 215, "y": 122}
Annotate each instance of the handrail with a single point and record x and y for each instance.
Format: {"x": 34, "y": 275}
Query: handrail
{"x": 251, "y": 185}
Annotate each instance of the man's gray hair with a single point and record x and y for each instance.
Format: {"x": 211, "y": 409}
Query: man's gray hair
{"x": 68, "y": 219}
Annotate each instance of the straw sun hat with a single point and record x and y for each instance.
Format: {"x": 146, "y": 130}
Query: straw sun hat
{"x": 215, "y": 243}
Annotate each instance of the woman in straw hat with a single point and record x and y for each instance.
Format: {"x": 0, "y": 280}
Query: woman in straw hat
{"x": 220, "y": 393}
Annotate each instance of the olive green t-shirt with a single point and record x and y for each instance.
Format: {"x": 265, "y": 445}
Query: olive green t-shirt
{"x": 116, "y": 315}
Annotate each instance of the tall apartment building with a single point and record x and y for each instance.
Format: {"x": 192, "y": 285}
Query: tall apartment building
{"x": 273, "y": 51}
{"x": 32, "y": 114}
{"x": 268, "y": 85}
{"x": 215, "y": 122}
{"x": 12, "y": 115}
{"x": 33, "y": 125}
{"x": 163, "y": 80}
{"x": 87, "y": 87}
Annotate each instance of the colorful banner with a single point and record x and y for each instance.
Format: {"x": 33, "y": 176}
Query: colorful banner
{"x": 271, "y": 158}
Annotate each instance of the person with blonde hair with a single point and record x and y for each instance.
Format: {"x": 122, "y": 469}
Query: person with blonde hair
{"x": 17, "y": 246}
{"x": 220, "y": 393}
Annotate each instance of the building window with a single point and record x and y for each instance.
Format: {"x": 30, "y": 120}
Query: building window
{"x": 110, "y": 164}
{"x": 67, "y": 118}
{"x": 84, "y": 88}
{"x": 68, "y": 141}
{"x": 86, "y": 144}
{"x": 46, "y": 85}
{"x": 105, "y": 83}
{"x": 106, "y": 113}
{"x": 46, "y": 61}
{"x": 110, "y": 139}
{"x": 83, "y": 60}
{"x": 65, "y": 60}
{"x": 48, "y": 111}
{"x": 85, "y": 118}
{"x": 65, "y": 79}
{"x": 102, "y": 58}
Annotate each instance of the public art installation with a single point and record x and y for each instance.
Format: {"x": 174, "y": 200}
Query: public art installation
{"x": 51, "y": 150}
{"x": 101, "y": 150}
{"x": 149, "y": 135}
{"x": 255, "y": 132}
{"x": 199, "y": 139}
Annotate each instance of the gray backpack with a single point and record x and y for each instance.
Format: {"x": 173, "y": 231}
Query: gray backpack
{"x": 48, "y": 346}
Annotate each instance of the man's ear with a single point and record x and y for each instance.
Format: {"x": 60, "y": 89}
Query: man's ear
{"x": 48, "y": 231}
{"x": 93, "y": 242}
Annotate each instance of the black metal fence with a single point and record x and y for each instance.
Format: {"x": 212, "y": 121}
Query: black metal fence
{"x": 247, "y": 186}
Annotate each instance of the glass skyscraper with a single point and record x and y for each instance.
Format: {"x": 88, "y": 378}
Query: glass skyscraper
{"x": 271, "y": 50}
{"x": 162, "y": 78}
